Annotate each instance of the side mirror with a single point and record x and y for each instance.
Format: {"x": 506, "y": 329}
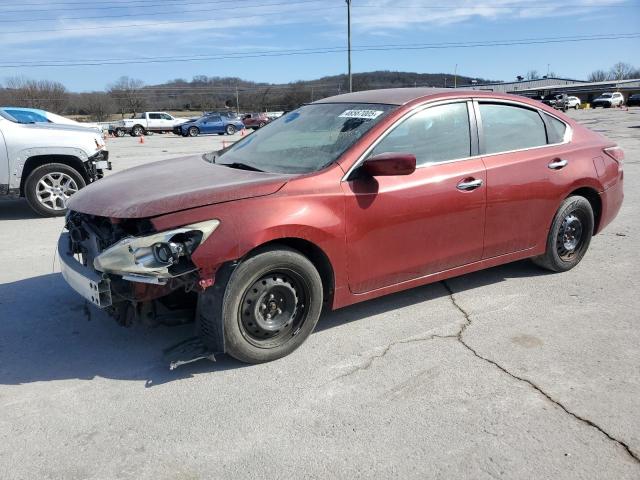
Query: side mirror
{"x": 387, "y": 164}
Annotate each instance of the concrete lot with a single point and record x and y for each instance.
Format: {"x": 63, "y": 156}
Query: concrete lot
{"x": 506, "y": 373}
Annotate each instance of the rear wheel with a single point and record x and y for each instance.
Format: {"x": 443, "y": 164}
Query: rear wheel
{"x": 270, "y": 305}
{"x": 49, "y": 187}
{"x": 120, "y": 132}
{"x": 137, "y": 131}
{"x": 569, "y": 236}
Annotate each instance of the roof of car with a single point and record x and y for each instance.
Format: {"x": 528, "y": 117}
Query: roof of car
{"x": 24, "y": 109}
{"x": 389, "y": 96}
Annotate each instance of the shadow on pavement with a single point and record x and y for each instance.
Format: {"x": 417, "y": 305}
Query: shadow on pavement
{"x": 16, "y": 209}
{"x": 48, "y": 333}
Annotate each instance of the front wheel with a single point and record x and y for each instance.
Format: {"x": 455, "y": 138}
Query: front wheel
{"x": 194, "y": 132}
{"x": 569, "y": 236}
{"x": 270, "y": 305}
{"x": 49, "y": 187}
{"x": 230, "y": 130}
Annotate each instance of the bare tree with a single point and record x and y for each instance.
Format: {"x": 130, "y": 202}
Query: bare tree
{"x": 621, "y": 71}
{"x": 598, "y": 76}
{"x": 44, "y": 94}
{"x": 128, "y": 95}
{"x": 532, "y": 75}
{"x": 97, "y": 105}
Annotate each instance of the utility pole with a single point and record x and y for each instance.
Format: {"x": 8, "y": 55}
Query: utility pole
{"x": 349, "y": 43}
{"x": 455, "y": 77}
{"x": 237, "y": 102}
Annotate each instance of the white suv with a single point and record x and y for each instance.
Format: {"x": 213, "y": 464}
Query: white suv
{"x": 47, "y": 163}
{"x": 608, "y": 99}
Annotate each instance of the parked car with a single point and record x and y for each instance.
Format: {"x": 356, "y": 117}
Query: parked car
{"x": 255, "y": 120}
{"x": 342, "y": 200}
{"x": 607, "y": 100}
{"x": 209, "y": 124}
{"x": 145, "y": 122}
{"x": 35, "y": 115}
{"x": 47, "y": 163}
{"x": 633, "y": 100}
{"x": 559, "y": 101}
{"x": 573, "y": 102}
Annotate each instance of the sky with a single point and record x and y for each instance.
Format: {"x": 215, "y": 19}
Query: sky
{"x": 277, "y": 41}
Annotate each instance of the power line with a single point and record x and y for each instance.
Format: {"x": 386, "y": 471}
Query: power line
{"x": 325, "y": 50}
{"x": 143, "y": 4}
{"x": 155, "y": 24}
{"x": 152, "y": 14}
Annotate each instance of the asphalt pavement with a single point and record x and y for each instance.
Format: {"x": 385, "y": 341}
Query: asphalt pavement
{"x": 510, "y": 373}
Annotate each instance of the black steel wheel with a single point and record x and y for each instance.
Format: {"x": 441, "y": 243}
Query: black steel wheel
{"x": 270, "y": 305}
{"x": 569, "y": 236}
{"x": 273, "y": 308}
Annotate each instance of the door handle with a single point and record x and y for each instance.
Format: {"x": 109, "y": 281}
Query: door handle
{"x": 558, "y": 164}
{"x": 467, "y": 185}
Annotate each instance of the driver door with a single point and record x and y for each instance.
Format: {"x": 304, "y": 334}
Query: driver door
{"x": 400, "y": 228}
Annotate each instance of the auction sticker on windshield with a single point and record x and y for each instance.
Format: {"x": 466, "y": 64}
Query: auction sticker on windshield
{"x": 368, "y": 114}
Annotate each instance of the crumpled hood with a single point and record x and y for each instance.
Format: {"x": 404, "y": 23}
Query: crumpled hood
{"x": 172, "y": 185}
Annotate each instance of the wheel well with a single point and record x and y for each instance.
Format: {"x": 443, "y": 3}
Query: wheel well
{"x": 316, "y": 256}
{"x": 37, "y": 161}
{"x": 596, "y": 204}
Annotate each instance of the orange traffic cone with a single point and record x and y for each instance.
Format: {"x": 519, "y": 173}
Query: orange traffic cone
{"x": 242, "y": 132}
{"x": 141, "y": 138}
{"x": 224, "y": 144}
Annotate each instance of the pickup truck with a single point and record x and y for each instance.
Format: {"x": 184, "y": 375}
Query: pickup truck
{"x": 145, "y": 122}
{"x": 48, "y": 163}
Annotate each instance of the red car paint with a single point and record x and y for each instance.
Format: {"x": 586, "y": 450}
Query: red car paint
{"x": 382, "y": 234}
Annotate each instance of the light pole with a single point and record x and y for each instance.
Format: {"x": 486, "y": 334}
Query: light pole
{"x": 349, "y": 43}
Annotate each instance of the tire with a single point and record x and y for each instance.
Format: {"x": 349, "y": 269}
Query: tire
{"x": 137, "y": 131}
{"x": 262, "y": 124}
{"x": 120, "y": 133}
{"x": 193, "y": 131}
{"x": 38, "y": 188}
{"x": 230, "y": 130}
{"x": 280, "y": 281}
{"x": 569, "y": 236}
{"x": 577, "y": 106}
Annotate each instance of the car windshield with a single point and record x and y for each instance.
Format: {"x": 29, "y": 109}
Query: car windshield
{"x": 307, "y": 139}
{"x": 7, "y": 116}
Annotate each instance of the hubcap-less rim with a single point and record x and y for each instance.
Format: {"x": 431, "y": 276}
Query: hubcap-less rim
{"x": 273, "y": 309}
{"x": 54, "y": 189}
{"x": 570, "y": 238}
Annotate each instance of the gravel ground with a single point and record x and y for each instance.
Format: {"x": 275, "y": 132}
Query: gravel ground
{"x": 506, "y": 373}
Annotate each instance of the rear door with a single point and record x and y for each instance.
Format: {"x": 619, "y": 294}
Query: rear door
{"x": 529, "y": 167}
{"x": 4, "y": 162}
{"x": 404, "y": 227}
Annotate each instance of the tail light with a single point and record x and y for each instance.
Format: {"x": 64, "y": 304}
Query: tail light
{"x": 616, "y": 153}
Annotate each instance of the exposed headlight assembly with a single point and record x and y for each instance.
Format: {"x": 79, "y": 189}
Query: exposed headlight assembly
{"x": 155, "y": 258}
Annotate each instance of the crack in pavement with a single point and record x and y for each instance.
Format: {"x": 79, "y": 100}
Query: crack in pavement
{"x": 372, "y": 358}
{"x": 584, "y": 420}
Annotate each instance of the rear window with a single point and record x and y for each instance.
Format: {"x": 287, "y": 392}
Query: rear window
{"x": 507, "y": 127}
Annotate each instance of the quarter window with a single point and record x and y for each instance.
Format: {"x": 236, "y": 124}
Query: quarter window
{"x": 555, "y": 129}
{"x": 436, "y": 134}
{"x": 506, "y": 128}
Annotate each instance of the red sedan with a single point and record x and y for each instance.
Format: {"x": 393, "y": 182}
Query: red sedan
{"x": 343, "y": 200}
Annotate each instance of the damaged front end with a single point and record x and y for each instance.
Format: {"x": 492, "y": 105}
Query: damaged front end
{"x": 132, "y": 271}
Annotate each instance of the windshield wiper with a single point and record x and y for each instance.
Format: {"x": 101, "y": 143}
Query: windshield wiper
{"x": 241, "y": 166}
